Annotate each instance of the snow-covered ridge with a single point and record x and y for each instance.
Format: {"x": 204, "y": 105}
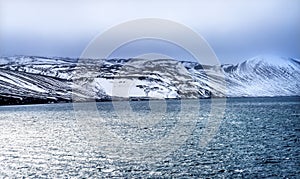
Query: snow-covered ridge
{"x": 261, "y": 76}
{"x": 64, "y": 79}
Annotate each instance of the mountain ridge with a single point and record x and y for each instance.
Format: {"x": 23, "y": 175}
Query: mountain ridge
{"x": 44, "y": 79}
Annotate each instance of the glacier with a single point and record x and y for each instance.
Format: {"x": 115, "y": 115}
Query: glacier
{"x": 32, "y": 79}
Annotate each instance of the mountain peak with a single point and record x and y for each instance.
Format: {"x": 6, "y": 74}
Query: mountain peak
{"x": 269, "y": 60}
{"x": 261, "y": 64}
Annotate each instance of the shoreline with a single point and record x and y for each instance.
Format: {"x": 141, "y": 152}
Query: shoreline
{"x": 37, "y": 101}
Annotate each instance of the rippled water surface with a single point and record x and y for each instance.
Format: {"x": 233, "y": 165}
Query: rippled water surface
{"x": 255, "y": 137}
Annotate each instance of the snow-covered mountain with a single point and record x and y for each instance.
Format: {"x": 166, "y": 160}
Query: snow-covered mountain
{"x": 29, "y": 79}
{"x": 264, "y": 76}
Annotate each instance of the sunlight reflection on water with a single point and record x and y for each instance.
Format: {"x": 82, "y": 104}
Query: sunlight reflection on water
{"x": 257, "y": 138}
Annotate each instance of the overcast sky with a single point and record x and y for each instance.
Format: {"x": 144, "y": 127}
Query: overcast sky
{"x": 235, "y": 29}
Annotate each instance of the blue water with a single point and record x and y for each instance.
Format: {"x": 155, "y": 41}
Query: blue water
{"x": 254, "y": 138}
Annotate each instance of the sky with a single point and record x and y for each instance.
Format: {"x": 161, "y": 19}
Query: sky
{"x": 235, "y": 30}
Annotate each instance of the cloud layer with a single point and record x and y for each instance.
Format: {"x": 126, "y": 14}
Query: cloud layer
{"x": 235, "y": 29}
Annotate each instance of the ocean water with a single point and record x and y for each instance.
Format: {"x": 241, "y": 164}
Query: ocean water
{"x": 237, "y": 137}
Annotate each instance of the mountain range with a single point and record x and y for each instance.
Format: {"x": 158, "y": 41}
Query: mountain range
{"x": 32, "y": 79}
